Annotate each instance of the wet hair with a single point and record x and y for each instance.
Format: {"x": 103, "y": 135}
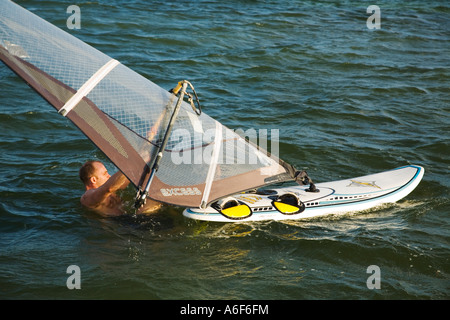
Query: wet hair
{"x": 87, "y": 170}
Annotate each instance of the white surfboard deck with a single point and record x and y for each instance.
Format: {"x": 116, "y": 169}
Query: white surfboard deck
{"x": 336, "y": 197}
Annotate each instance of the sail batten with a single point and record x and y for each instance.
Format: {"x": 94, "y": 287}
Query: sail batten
{"x": 125, "y": 115}
{"x": 88, "y": 86}
{"x": 213, "y": 166}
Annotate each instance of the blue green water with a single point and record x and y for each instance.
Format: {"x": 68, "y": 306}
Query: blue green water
{"x": 347, "y": 101}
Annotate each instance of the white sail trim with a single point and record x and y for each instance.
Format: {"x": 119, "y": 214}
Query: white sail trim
{"x": 213, "y": 164}
{"x": 88, "y": 86}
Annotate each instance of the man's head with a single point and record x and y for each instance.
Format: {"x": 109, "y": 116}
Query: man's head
{"x": 93, "y": 174}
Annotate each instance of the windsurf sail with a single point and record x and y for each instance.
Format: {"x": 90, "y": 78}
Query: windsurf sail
{"x": 126, "y": 116}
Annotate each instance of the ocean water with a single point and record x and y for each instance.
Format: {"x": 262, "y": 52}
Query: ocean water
{"x": 347, "y": 101}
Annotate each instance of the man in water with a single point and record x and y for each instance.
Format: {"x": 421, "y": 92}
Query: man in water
{"x": 101, "y": 189}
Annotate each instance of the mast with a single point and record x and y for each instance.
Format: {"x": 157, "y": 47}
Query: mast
{"x": 142, "y": 194}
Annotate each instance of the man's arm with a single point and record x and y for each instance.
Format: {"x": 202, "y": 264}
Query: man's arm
{"x": 118, "y": 181}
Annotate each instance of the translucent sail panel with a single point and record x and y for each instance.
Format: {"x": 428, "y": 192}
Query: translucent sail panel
{"x": 126, "y": 116}
{"x": 47, "y": 47}
{"x": 57, "y": 65}
{"x": 225, "y": 164}
{"x": 200, "y": 152}
{"x": 144, "y": 107}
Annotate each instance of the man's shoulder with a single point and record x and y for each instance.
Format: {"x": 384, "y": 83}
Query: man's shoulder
{"x": 86, "y": 198}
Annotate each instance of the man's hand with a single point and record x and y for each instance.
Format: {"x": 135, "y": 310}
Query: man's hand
{"x": 141, "y": 199}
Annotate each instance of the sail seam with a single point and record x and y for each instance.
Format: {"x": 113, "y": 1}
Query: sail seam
{"x": 87, "y": 87}
{"x": 213, "y": 165}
